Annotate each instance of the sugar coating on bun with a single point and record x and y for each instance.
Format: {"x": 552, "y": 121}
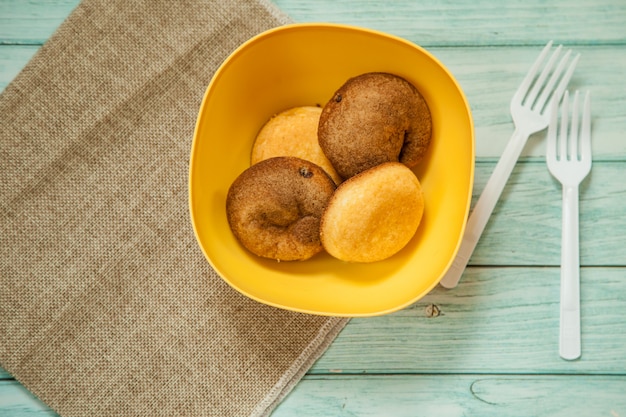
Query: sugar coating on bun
{"x": 373, "y": 215}
{"x": 293, "y": 132}
{"x": 274, "y": 208}
{"x": 374, "y": 118}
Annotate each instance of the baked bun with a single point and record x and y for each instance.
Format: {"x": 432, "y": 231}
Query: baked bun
{"x": 293, "y": 132}
{"x": 373, "y": 215}
{"x": 275, "y": 206}
{"x": 374, "y": 118}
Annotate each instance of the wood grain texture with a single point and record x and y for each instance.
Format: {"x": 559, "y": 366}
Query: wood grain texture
{"x": 472, "y": 23}
{"x": 525, "y": 228}
{"x": 433, "y": 23}
{"x": 17, "y": 401}
{"x": 31, "y": 22}
{"x": 490, "y": 76}
{"x": 415, "y": 396}
{"x": 456, "y": 396}
{"x": 12, "y": 60}
{"x": 498, "y": 320}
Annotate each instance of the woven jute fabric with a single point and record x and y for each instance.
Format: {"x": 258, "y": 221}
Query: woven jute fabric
{"x": 107, "y": 305}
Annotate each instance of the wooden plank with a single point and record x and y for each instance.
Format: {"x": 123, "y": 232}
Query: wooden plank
{"x": 442, "y": 23}
{"x": 470, "y": 22}
{"x": 454, "y": 396}
{"x": 525, "y": 228}
{"x": 12, "y": 60}
{"x": 498, "y": 320}
{"x": 17, "y": 401}
{"x": 489, "y": 77}
{"x": 418, "y": 395}
{"x": 32, "y": 22}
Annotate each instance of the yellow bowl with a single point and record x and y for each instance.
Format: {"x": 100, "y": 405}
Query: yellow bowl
{"x": 303, "y": 64}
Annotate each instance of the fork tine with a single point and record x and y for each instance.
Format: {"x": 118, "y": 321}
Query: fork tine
{"x": 552, "y": 131}
{"x": 585, "y": 129}
{"x": 562, "y": 154}
{"x": 556, "y": 74}
{"x": 530, "y": 75}
{"x": 558, "y": 93}
{"x": 568, "y": 75}
{"x": 530, "y": 98}
{"x": 574, "y": 130}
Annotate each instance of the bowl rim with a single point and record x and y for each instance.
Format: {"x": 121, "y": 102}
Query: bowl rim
{"x": 348, "y": 27}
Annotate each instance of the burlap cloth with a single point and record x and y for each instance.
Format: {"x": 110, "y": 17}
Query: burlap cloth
{"x": 107, "y": 305}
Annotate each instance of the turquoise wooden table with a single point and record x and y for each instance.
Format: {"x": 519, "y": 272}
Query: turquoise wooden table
{"x": 489, "y": 346}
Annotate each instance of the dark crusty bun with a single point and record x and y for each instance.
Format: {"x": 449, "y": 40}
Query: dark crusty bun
{"x": 374, "y": 118}
{"x": 274, "y": 208}
{"x": 374, "y": 214}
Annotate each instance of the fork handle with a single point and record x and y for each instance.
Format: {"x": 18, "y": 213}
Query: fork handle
{"x": 569, "y": 340}
{"x": 484, "y": 206}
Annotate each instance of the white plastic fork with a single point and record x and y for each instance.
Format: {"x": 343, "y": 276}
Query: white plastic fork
{"x": 568, "y": 156}
{"x": 530, "y": 115}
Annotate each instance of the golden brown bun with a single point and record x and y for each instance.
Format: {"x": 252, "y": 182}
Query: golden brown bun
{"x": 275, "y": 206}
{"x": 293, "y": 132}
{"x": 374, "y": 118}
{"x": 373, "y": 215}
